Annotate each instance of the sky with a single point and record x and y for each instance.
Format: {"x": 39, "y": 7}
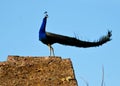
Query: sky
{"x": 20, "y": 21}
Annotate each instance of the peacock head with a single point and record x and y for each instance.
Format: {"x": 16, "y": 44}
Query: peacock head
{"x": 46, "y": 15}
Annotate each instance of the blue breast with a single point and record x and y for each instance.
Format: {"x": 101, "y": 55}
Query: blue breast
{"x": 42, "y": 36}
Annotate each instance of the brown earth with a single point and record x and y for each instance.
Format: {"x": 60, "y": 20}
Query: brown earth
{"x": 37, "y": 71}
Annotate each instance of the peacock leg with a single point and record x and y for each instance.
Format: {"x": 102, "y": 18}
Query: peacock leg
{"x": 51, "y": 50}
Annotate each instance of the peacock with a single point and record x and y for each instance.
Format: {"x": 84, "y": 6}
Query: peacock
{"x": 49, "y": 38}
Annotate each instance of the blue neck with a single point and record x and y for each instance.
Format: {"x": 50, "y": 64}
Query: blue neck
{"x": 43, "y": 26}
{"x": 42, "y": 29}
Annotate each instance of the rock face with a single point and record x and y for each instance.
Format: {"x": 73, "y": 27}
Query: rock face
{"x": 37, "y": 71}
